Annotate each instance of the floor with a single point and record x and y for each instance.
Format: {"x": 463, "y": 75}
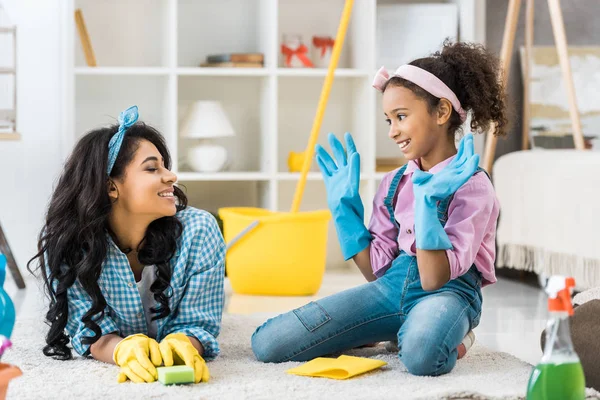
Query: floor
{"x": 514, "y": 313}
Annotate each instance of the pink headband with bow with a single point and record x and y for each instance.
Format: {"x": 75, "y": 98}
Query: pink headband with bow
{"x": 425, "y": 80}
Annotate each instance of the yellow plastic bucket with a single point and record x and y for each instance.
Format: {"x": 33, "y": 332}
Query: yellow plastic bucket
{"x": 275, "y": 253}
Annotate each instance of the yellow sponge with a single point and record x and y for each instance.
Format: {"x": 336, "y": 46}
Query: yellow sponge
{"x": 178, "y": 374}
{"x": 343, "y": 367}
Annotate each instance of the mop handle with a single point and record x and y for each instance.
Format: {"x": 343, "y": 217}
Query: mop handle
{"x": 314, "y": 134}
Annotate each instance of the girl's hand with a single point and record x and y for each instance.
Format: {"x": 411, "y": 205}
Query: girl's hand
{"x": 431, "y": 188}
{"x": 441, "y": 185}
{"x": 341, "y": 173}
{"x": 342, "y": 180}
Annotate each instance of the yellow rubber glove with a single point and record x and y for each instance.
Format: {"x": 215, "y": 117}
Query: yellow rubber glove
{"x": 177, "y": 349}
{"x": 138, "y": 356}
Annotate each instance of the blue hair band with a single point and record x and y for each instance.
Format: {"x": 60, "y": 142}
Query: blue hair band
{"x": 126, "y": 119}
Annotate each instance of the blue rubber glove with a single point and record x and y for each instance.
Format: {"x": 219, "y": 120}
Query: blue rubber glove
{"x": 342, "y": 179}
{"x": 431, "y": 188}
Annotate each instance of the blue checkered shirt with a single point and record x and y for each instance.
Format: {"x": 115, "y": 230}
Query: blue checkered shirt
{"x": 197, "y": 287}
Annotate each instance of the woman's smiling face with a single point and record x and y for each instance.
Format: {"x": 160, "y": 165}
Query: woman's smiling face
{"x": 146, "y": 188}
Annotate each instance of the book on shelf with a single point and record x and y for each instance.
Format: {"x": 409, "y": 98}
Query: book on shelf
{"x": 232, "y": 65}
{"x": 236, "y": 58}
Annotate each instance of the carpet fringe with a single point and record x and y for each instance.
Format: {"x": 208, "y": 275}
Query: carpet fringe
{"x": 586, "y": 271}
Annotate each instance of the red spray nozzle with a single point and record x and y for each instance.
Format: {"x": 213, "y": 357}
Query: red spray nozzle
{"x": 559, "y": 293}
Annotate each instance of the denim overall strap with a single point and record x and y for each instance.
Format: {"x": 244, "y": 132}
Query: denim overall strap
{"x": 445, "y": 204}
{"x": 389, "y": 199}
{"x": 468, "y": 284}
{"x": 404, "y": 272}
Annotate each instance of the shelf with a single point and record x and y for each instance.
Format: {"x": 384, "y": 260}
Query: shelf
{"x": 126, "y": 33}
{"x": 153, "y": 59}
{"x": 317, "y": 176}
{"x": 140, "y": 71}
{"x": 294, "y": 176}
{"x": 220, "y": 27}
{"x": 99, "y": 100}
{"x": 310, "y": 18}
{"x": 197, "y": 71}
{"x": 10, "y": 136}
{"x": 7, "y": 29}
{"x": 321, "y": 72}
{"x": 297, "y": 101}
{"x": 212, "y": 195}
{"x": 282, "y": 72}
{"x": 244, "y": 100}
{"x": 257, "y": 176}
{"x": 161, "y": 71}
{"x": 9, "y": 71}
{"x": 222, "y": 176}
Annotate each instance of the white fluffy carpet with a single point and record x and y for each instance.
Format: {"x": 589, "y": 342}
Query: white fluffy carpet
{"x": 482, "y": 374}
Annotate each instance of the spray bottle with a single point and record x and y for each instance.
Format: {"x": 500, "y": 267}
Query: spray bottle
{"x": 559, "y": 374}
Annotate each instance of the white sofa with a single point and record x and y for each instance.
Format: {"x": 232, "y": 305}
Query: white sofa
{"x": 550, "y": 213}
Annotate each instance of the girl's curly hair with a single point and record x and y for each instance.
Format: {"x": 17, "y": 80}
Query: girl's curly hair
{"x": 473, "y": 74}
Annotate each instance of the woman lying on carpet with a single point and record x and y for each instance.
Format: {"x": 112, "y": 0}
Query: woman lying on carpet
{"x": 430, "y": 245}
{"x": 134, "y": 276}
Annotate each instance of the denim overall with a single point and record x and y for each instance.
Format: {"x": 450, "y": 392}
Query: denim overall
{"x": 427, "y": 325}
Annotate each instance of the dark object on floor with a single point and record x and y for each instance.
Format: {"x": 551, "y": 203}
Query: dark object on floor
{"x": 526, "y": 277}
{"x": 10, "y": 261}
{"x": 585, "y": 328}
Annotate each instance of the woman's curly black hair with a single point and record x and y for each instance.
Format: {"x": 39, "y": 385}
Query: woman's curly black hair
{"x": 473, "y": 74}
{"x": 72, "y": 245}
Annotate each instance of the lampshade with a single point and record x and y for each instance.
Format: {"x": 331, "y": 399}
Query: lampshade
{"x": 206, "y": 119}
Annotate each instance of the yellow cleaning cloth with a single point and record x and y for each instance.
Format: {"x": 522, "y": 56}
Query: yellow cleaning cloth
{"x": 343, "y": 367}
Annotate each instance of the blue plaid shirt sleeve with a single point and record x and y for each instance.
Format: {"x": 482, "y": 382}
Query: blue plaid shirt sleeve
{"x": 79, "y": 304}
{"x": 200, "y": 310}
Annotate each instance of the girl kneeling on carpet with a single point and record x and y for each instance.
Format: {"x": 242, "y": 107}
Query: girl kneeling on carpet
{"x": 430, "y": 245}
{"x": 134, "y": 276}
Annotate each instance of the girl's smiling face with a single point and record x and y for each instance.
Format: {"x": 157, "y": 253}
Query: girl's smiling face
{"x": 418, "y": 132}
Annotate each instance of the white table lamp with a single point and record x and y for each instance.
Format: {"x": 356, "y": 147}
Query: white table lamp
{"x": 206, "y": 120}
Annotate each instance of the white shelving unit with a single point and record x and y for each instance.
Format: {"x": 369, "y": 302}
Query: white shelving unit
{"x": 151, "y": 59}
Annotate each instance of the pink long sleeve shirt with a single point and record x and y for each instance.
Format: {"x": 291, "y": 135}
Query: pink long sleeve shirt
{"x": 471, "y": 225}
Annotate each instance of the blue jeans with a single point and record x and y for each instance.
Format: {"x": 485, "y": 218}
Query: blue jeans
{"x": 428, "y": 325}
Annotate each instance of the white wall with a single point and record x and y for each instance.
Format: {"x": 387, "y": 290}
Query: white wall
{"x": 30, "y": 166}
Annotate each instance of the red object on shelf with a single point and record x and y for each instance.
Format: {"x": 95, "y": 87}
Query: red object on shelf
{"x": 323, "y": 43}
{"x": 299, "y": 52}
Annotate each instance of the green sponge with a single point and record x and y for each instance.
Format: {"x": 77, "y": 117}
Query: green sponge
{"x": 175, "y": 375}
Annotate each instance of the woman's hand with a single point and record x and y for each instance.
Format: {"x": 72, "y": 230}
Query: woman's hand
{"x": 177, "y": 349}
{"x": 138, "y": 356}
